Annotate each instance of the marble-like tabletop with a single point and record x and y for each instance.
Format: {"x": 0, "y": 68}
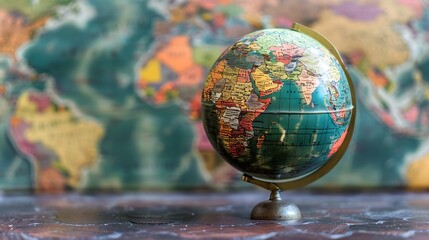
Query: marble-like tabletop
{"x": 214, "y": 215}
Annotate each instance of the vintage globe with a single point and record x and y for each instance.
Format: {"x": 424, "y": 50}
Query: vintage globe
{"x": 277, "y": 105}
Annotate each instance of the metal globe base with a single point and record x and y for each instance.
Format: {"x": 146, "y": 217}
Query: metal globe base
{"x": 276, "y": 209}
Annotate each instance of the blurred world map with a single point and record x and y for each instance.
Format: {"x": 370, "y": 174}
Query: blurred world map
{"x": 105, "y": 94}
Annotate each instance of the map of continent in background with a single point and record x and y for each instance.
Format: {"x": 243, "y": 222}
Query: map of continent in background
{"x": 59, "y": 143}
{"x": 98, "y": 94}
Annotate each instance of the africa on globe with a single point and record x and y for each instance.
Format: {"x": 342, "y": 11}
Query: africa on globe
{"x": 277, "y": 105}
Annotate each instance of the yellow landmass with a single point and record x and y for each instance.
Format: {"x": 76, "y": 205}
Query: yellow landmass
{"x": 240, "y": 93}
{"x": 228, "y": 90}
{"x": 264, "y": 82}
{"x": 151, "y": 72}
{"x": 73, "y": 140}
{"x": 216, "y": 74}
{"x": 254, "y": 46}
{"x": 377, "y": 39}
{"x": 230, "y": 75}
{"x": 277, "y": 70}
{"x": 177, "y": 15}
{"x": 212, "y": 78}
{"x": 15, "y": 31}
{"x": 416, "y": 175}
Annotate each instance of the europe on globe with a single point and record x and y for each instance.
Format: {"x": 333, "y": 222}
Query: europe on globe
{"x": 277, "y": 105}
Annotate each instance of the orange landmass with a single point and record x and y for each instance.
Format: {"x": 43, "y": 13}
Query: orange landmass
{"x": 15, "y": 31}
{"x": 308, "y": 84}
{"x": 224, "y": 131}
{"x": 50, "y": 180}
{"x": 191, "y": 76}
{"x": 177, "y": 54}
{"x": 338, "y": 144}
{"x": 2, "y": 89}
{"x": 377, "y": 79}
{"x": 195, "y": 107}
{"x": 167, "y": 90}
{"x": 14, "y": 121}
{"x": 214, "y": 76}
{"x": 416, "y": 175}
{"x": 243, "y": 76}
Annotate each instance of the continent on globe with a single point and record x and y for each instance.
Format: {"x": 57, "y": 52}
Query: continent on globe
{"x": 59, "y": 142}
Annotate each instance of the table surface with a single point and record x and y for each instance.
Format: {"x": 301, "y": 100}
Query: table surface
{"x": 398, "y": 215}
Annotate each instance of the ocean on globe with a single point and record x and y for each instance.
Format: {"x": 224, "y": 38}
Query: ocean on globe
{"x": 277, "y": 105}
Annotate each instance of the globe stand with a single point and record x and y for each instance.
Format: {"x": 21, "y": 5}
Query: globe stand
{"x": 276, "y": 209}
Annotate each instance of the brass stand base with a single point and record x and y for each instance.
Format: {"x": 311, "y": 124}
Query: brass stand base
{"x": 276, "y": 209}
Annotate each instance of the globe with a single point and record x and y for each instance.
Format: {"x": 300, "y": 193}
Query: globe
{"x": 277, "y": 104}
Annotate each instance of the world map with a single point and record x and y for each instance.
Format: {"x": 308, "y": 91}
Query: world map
{"x": 105, "y": 94}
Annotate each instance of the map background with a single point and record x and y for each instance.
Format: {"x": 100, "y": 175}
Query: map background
{"x": 104, "y": 94}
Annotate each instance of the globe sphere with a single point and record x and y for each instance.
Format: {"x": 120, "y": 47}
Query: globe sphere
{"x": 277, "y": 105}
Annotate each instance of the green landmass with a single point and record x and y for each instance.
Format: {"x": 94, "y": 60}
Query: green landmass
{"x": 206, "y": 55}
{"x": 33, "y": 9}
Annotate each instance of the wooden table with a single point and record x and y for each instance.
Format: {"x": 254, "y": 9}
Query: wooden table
{"x": 398, "y": 215}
